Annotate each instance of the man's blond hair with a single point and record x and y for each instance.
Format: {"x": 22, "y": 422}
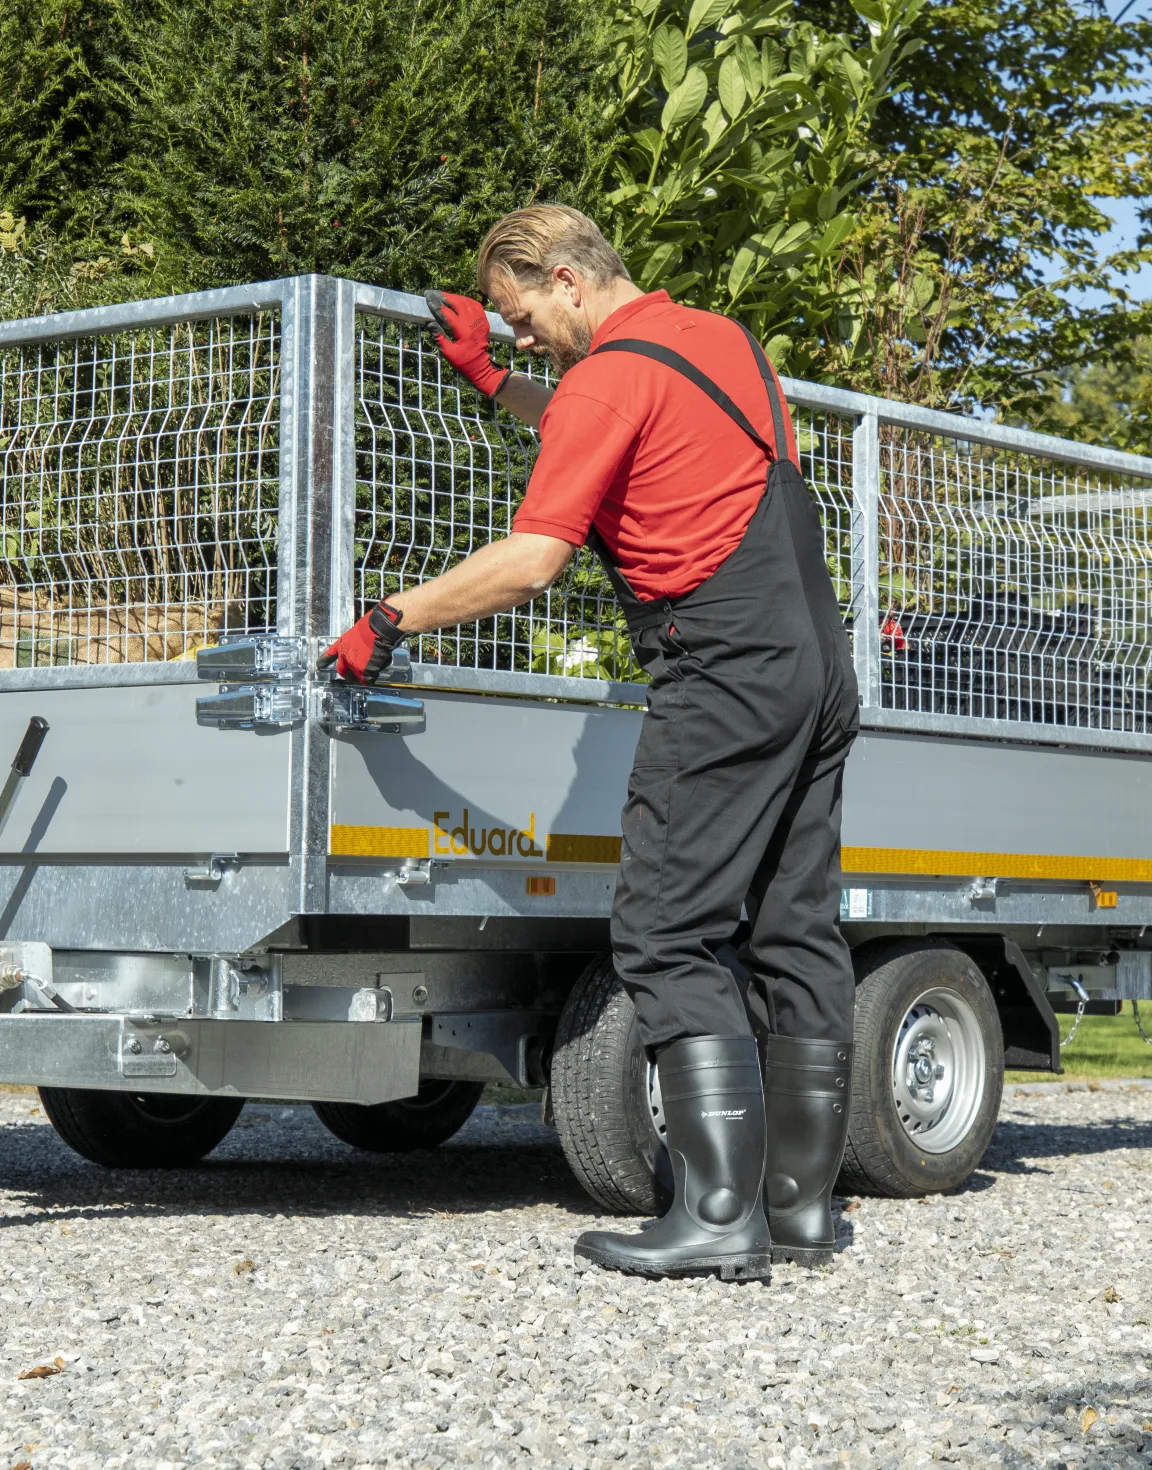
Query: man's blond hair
{"x": 527, "y": 245}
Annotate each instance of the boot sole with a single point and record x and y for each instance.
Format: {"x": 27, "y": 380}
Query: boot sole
{"x": 802, "y": 1255}
{"x": 729, "y": 1268}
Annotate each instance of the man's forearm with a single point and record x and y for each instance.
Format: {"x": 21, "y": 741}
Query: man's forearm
{"x": 491, "y": 580}
{"x": 526, "y": 398}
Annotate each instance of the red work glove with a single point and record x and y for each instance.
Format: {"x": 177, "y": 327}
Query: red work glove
{"x": 365, "y": 651}
{"x": 463, "y": 340}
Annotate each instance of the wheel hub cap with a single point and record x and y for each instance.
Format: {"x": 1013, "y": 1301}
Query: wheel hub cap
{"x": 938, "y": 1070}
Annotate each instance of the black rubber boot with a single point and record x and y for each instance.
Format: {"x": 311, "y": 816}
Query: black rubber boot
{"x": 713, "y": 1109}
{"x": 806, "y": 1092}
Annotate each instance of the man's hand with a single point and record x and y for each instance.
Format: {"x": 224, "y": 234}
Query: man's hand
{"x": 365, "y": 651}
{"x": 463, "y": 340}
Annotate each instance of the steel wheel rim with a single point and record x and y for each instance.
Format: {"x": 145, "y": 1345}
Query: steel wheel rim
{"x": 938, "y": 1070}
{"x": 655, "y": 1102}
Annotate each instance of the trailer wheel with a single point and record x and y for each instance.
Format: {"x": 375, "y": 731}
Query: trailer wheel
{"x": 146, "y": 1130}
{"x": 928, "y": 1072}
{"x": 605, "y": 1097}
{"x": 437, "y": 1111}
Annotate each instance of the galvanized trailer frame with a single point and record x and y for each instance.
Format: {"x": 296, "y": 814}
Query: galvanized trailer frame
{"x": 238, "y": 470}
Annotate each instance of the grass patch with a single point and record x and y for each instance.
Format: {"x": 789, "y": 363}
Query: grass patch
{"x": 1105, "y": 1046}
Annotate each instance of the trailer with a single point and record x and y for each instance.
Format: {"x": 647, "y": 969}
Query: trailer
{"x": 224, "y": 875}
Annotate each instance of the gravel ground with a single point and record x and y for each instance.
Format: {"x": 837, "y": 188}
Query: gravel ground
{"x": 293, "y": 1303}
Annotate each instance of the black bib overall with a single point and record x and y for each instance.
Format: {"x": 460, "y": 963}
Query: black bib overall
{"x": 735, "y": 792}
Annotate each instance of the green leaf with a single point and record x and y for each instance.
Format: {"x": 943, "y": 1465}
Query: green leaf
{"x": 777, "y": 349}
{"x": 733, "y": 91}
{"x": 835, "y": 235}
{"x": 922, "y": 291}
{"x": 771, "y": 61}
{"x": 674, "y": 285}
{"x": 685, "y": 101}
{"x": 715, "y": 125}
{"x": 670, "y": 55}
{"x": 705, "y": 13}
{"x": 751, "y": 256}
{"x": 854, "y": 73}
{"x": 660, "y": 263}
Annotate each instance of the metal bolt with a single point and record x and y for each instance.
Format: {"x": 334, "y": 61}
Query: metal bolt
{"x": 163, "y": 1044}
{"x": 420, "y": 994}
{"x": 939, "y": 1069}
{"x": 134, "y": 1046}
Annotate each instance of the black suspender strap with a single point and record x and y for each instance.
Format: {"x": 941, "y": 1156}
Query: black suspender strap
{"x": 714, "y": 391}
{"x": 638, "y": 615}
{"x": 642, "y": 615}
{"x": 689, "y": 370}
{"x": 779, "y": 415}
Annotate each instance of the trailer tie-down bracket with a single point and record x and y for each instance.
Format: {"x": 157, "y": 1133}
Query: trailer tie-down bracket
{"x": 212, "y": 872}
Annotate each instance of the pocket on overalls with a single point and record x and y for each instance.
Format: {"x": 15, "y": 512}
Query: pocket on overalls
{"x": 672, "y": 648}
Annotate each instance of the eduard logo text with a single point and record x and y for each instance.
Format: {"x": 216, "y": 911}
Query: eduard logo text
{"x": 469, "y": 841}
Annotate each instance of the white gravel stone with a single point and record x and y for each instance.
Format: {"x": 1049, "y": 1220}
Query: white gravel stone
{"x": 292, "y": 1303}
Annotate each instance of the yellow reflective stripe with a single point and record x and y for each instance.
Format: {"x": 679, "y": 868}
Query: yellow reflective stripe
{"x": 385, "y": 842}
{"x": 574, "y": 847}
{"x": 994, "y": 864}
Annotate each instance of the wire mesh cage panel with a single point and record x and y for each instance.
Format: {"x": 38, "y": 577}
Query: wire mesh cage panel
{"x": 440, "y": 472}
{"x": 140, "y": 481}
{"x": 1012, "y": 587}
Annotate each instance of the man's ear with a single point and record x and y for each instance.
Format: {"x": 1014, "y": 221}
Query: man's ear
{"x": 567, "y": 280}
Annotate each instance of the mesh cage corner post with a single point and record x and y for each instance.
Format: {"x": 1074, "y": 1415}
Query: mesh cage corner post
{"x": 342, "y": 597}
{"x": 866, "y": 557}
{"x": 308, "y": 470}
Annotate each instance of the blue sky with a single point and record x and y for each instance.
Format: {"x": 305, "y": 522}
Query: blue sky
{"x": 1125, "y": 227}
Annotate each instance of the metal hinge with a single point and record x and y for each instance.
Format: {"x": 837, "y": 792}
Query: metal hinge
{"x": 274, "y": 670}
{"x": 249, "y": 706}
{"x": 274, "y": 693}
{"x": 353, "y": 707}
{"x": 247, "y": 659}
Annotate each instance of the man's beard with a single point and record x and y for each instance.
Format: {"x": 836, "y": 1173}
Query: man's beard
{"x": 565, "y": 352}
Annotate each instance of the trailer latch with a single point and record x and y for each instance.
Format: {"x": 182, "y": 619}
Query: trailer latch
{"x": 249, "y": 706}
{"x": 354, "y": 707}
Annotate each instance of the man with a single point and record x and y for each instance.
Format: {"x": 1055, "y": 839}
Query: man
{"x": 667, "y": 445}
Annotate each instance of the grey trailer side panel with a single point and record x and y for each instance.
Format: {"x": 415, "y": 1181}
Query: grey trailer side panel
{"x": 927, "y": 794}
{"x": 126, "y": 770}
{"x": 489, "y": 777}
{"x": 495, "y": 782}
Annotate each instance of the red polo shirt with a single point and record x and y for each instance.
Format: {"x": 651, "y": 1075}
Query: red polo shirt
{"x": 634, "y": 448}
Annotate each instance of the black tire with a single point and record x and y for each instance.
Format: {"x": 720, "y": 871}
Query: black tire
{"x": 600, "y": 1098}
{"x": 147, "y": 1130}
{"x": 883, "y": 1157}
{"x": 438, "y": 1110}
